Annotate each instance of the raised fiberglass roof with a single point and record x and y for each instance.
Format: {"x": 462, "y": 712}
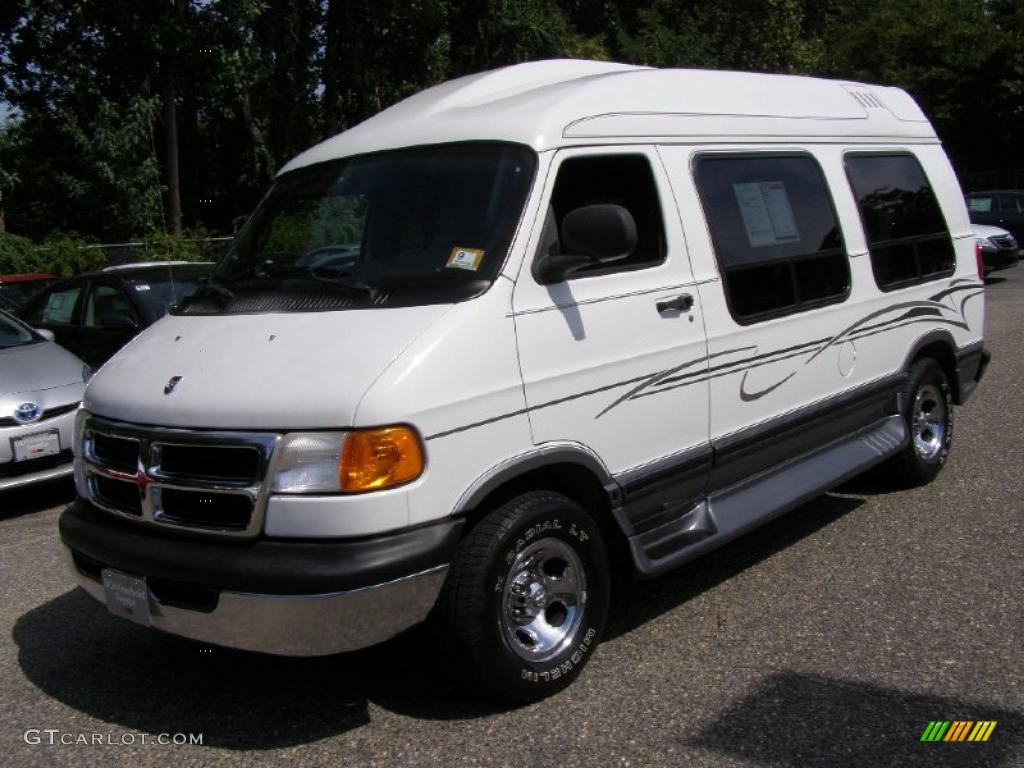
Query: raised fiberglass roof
{"x": 564, "y": 102}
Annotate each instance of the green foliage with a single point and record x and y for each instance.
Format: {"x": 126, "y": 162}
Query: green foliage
{"x": 318, "y": 224}
{"x": 66, "y": 255}
{"x": 18, "y": 254}
{"x": 254, "y": 82}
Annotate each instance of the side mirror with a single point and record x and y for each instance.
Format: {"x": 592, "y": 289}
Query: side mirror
{"x": 593, "y": 234}
{"x": 46, "y": 333}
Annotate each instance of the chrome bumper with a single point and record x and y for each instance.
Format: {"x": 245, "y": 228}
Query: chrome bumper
{"x": 52, "y": 473}
{"x": 297, "y": 625}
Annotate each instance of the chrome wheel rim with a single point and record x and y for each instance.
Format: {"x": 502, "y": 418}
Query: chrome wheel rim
{"x": 543, "y": 600}
{"x": 930, "y": 427}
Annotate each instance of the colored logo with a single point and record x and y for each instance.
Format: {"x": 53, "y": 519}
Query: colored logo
{"x": 171, "y": 384}
{"x": 958, "y": 730}
{"x": 26, "y": 413}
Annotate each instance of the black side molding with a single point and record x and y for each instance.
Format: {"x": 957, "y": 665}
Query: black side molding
{"x": 735, "y": 510}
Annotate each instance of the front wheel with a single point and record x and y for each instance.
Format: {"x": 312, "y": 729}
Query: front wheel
{"x": 928, "y": 411}
{"x": 526, "y": 597}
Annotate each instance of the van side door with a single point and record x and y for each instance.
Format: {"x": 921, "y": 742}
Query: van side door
{"x": 613, "y": 357}
{"x": 783, "y": 380}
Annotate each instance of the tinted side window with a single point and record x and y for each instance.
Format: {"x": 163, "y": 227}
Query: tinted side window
{"x": 982, "y": 204}
{"x": 625, "y": 180}
{"x": 774, "y": 229}
{"x": 1013, "y": 204}
{"x": 108, "y": 308}
{"x": 907, "y": 235}
{"x": 57, "y": 306}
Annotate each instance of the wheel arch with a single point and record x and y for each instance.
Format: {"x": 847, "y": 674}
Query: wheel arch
{"x": 567, "y": 468}
{"x": 940, "y": 346}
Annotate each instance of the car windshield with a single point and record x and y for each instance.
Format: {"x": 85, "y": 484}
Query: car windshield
{"x": 419, "y": 226}
{"x": 13, "y": 333}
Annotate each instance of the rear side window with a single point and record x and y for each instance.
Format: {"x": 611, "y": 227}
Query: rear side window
{"x": 57, "y": 307}
{"x": 625, "y": 180}
{"x": 907, "y": 235}
{"x": 774, "y": 229}
{"x": 984, "y": 204}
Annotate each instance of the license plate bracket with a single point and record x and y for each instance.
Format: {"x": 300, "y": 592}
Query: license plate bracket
{"x": 36, "y": 445}
{"x": 127, "y": 596}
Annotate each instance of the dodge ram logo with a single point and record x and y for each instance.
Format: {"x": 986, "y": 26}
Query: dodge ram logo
{"x": 171, "y": 384}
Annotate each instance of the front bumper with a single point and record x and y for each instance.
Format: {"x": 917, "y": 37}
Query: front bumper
{"x": 15, "y": 474}
{"x": 293, "y": 598}
{"x": 35, "y": 471}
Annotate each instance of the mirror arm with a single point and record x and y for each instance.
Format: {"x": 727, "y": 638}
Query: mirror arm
{"x": 552, "y": 268}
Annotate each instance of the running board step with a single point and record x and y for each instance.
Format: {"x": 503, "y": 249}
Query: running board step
{"x": 734, "y": 511}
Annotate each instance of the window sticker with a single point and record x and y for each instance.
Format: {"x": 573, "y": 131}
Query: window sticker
{"x": 141, "y": 286}
{"x": 767, "y": 214}
{"x": 466, "y": 258}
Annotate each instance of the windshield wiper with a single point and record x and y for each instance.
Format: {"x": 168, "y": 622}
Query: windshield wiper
{"x": 341, "y": 280}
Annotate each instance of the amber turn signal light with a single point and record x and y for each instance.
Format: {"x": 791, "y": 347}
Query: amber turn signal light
{"x": 373, "y": 459}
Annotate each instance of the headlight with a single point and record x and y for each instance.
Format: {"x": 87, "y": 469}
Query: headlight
{"x": 347, "y": 462}
{"x": 76, "y": 447}
{"x": 308, "y": 462}
{"x": 984, "y": 242}
{"x": 79, "y": 430}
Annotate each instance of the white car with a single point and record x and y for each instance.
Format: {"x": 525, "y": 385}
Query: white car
{"x": 465, "y": 348}
{"x": 41, "y": 386}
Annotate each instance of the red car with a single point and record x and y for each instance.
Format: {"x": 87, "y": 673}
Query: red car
{"x": 15, "y": 290}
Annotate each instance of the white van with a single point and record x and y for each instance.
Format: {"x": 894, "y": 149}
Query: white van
{"x": 466, "y": 350}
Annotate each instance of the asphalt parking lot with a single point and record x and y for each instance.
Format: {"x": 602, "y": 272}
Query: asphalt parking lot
{"x": 831, "y": 637}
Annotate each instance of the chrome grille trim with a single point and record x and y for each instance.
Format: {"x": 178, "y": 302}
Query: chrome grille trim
{"x": 153, "y": 477}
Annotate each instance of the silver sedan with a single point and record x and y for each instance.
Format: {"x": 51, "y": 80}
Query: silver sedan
{"x": 41, "y": 386}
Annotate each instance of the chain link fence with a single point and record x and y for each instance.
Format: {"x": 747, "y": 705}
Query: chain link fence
{"x": 204, "y": 249}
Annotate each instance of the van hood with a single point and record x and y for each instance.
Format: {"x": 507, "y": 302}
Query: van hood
{"x": 268, "y": 371}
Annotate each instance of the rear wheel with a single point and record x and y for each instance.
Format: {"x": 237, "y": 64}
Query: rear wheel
{"x": 928, "y": 411}
{"x": 526, "y": 597}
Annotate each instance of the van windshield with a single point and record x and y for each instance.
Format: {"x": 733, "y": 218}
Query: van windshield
{"x": 419, "y": 226}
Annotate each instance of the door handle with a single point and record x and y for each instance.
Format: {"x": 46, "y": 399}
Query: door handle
{"x": 683, "y": 303}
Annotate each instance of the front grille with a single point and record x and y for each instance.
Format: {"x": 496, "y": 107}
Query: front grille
{"x": 27, "y": 467}
{"x": 232, "y": 464}
{"x": 49, "y": 413}
{"x": 1004, "y": 241}
{"x": 122, "y": 495}
{"x": 116, "y": 452}
{"x": 204, "y": 509}
{"x": 203, "y": 481}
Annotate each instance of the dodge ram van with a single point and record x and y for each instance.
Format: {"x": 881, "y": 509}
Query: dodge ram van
{"x": 465, "y": 351}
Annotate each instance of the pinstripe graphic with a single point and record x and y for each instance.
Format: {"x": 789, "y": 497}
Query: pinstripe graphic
{"x": 930, "y": 310}
{"x": 910, "y": 313}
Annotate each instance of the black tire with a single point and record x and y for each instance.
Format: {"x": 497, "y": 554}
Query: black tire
{"x": 488, "y": 645}
{"x": 927, "y": 392}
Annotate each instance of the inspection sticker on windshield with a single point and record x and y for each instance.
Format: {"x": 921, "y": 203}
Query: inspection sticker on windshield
{"x": 466, "y": 258}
